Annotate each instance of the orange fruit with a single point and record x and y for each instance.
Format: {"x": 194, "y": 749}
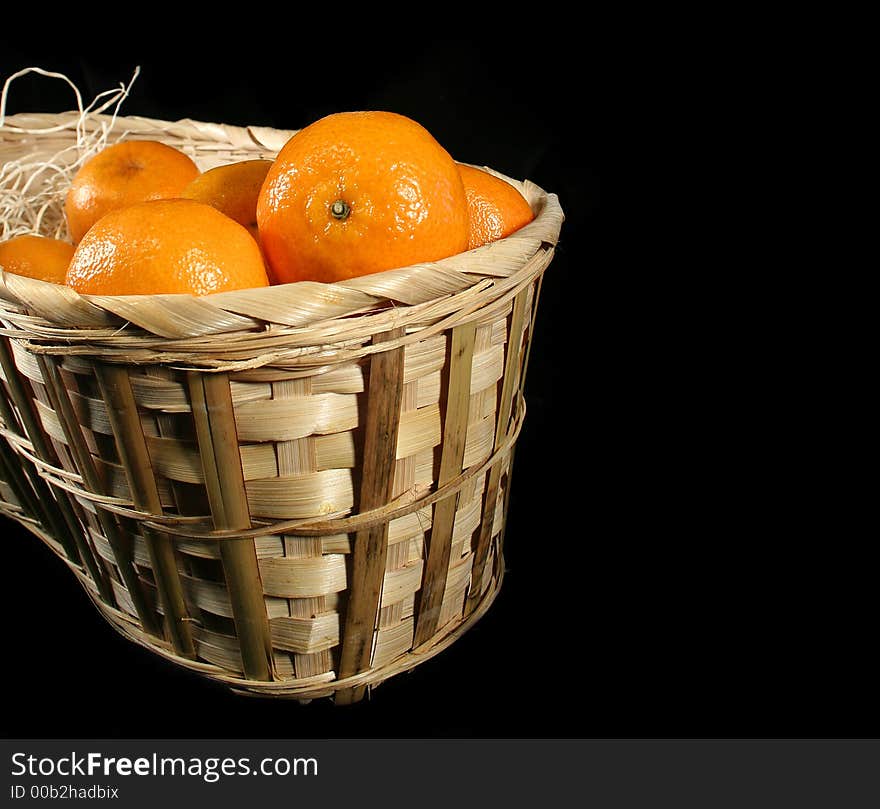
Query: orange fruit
{"x": 496, "y": 209}
{"x": 123, "y": 174}
{"x": 232, "y": 189}
{"x": 165, "y": 246}
{"x": 36, "y": 257}
{"x": 360, "y": 192}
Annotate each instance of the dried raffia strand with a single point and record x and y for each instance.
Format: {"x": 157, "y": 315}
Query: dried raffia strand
{"x": 32, "y": 190}
{"x": 308, "y": 508}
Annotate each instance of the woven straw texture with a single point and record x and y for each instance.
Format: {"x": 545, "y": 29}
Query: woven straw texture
{"x": 298, "y": 491}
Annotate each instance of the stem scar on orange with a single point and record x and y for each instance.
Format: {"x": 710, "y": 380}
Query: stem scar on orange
{"x": 356, "y": 193}
{"x": 123, "y": 174}
{"x": 166, "y": 246}
{"x": 495, "y": 208}
{"x": 36, "y": 257}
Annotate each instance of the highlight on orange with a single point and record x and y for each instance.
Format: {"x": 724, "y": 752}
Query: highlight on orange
{"x": 166, "y": 246}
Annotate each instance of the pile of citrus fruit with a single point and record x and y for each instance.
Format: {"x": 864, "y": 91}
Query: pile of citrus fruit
{"x": 351, "y": 194}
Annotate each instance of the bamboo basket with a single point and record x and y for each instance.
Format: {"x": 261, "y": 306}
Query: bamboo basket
{"x": 298, "y": 491}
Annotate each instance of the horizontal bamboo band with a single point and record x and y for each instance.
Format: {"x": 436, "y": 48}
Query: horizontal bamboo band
{"x": 288, "y": 419}
{"x": 407, "y": 503}
{"x": 305, "y": 635}
{"x": 402, "y": 582}
{"x": 301, "y": 496}
{"x": 392, "y": 642}
{"x": 305, "y": 577}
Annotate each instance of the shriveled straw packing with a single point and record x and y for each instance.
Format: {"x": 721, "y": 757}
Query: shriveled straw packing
{"x": 298, "y": 490}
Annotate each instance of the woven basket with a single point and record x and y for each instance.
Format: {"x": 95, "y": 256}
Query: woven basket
{"x": 299, "y": 490}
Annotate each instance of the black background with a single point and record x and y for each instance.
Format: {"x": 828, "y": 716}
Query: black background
{"x": 666, "y": 576}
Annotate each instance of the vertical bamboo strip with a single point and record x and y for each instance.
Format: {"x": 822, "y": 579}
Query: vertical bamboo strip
{"x": 398, "y": 555}
{"x": 297, "y": 457}
{"x": 522, "y": 385}
{"x": 65, "y": 528}
{"x": 63, "y": 407}
{"x": 385, "y": 390}
{"x": 122, "y": 551}
{"x": 454, "y": 436}
{"x": 505, "y": 403}
{"x": 532, "y": 315}
{"x": 122, "y": 410}
{"x": 211, "y": 401}
{"x": 189, "y": 500}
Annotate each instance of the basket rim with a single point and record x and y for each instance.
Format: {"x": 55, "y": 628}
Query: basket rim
{"x": 34, "y": 306}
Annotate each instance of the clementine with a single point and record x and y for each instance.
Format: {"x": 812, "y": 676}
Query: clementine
{"x": 166, "y": 246}
{"x": 123, "y": 174}
{"x": 36, "y": 257}
{"x": 495, "y": 208}
{"x": 232, "y": 189}
{"x": 360, "y": 192}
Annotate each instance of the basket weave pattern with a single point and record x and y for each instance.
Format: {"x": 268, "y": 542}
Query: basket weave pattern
{"x": 298, "y": 491}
